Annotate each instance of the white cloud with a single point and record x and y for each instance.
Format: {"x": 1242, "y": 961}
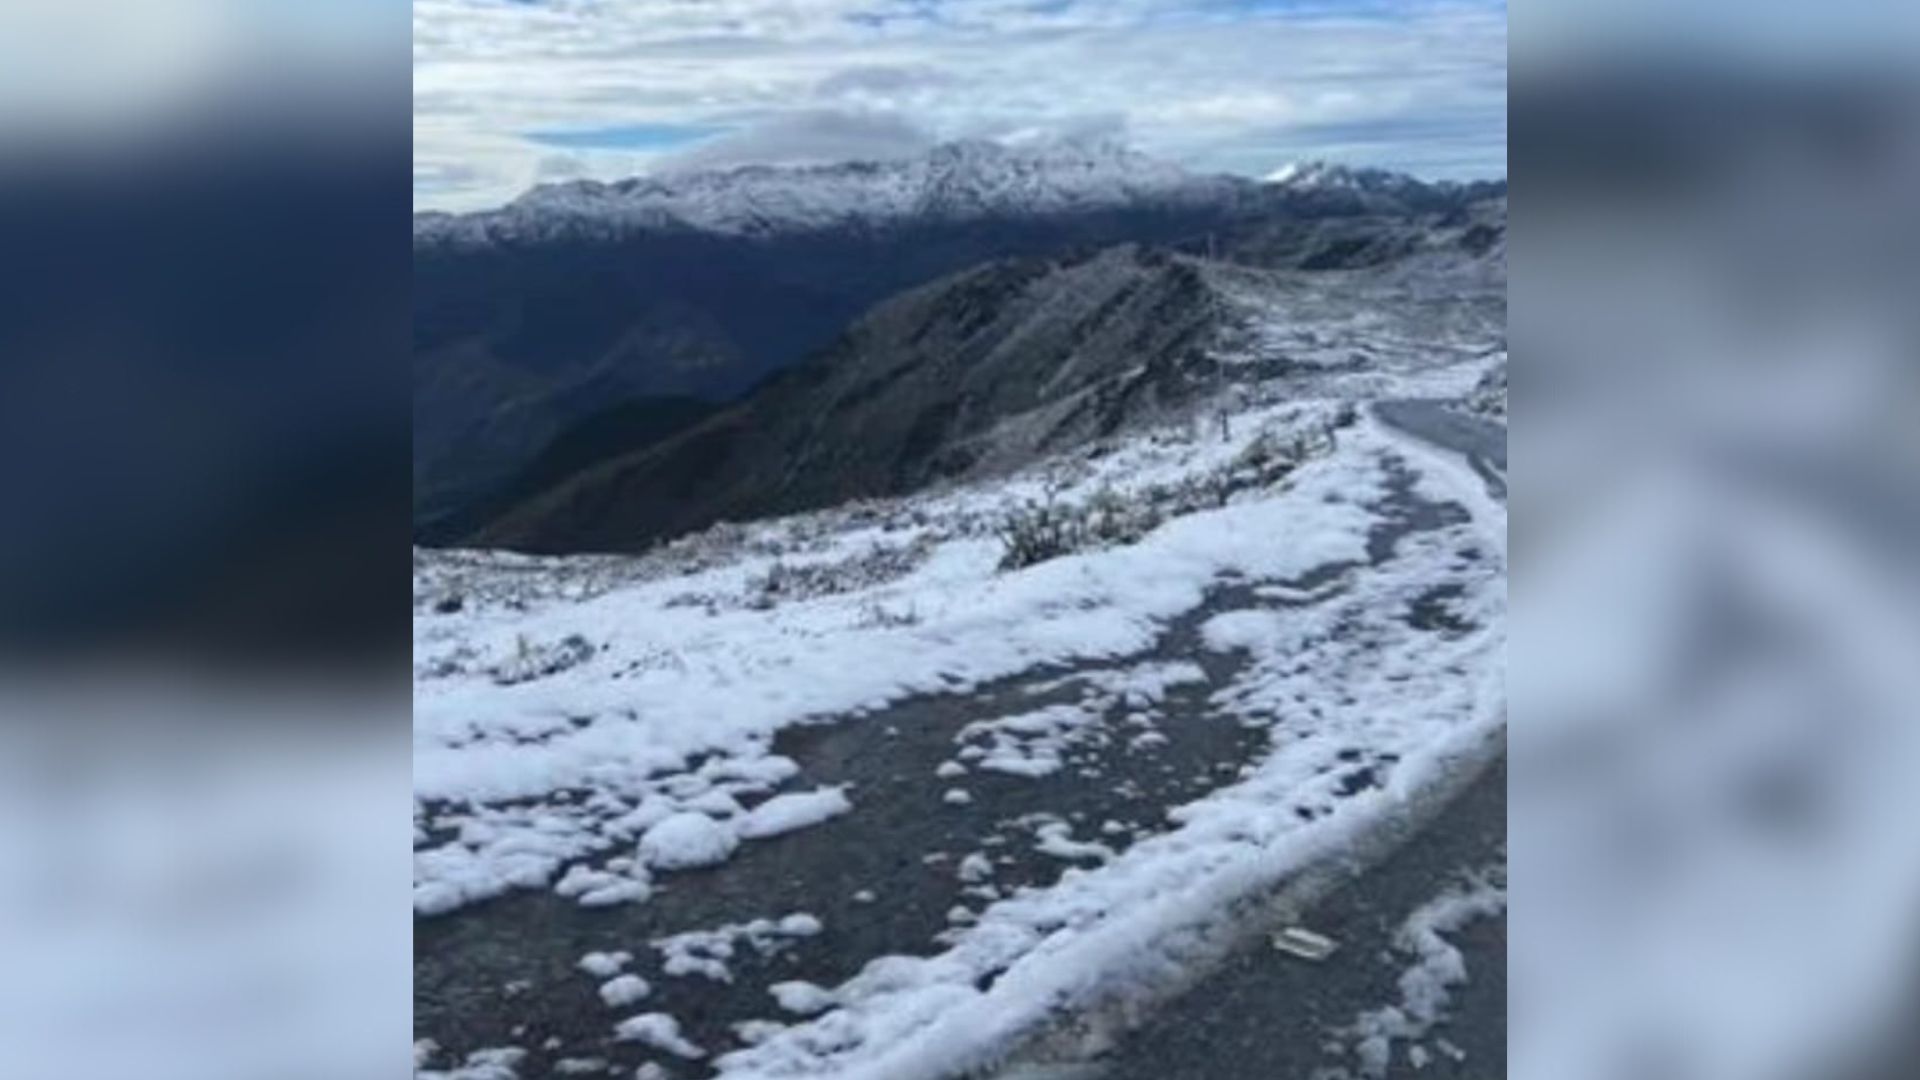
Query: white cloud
{"x": 1212, "y": 83}
{"x": 808, "y": 137}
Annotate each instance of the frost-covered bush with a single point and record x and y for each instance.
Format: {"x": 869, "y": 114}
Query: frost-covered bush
{"x": 1489, "y": 396}
{"x": 1268, "y": 457}
{"x": 534, "y": 661}
{"x": 1112, "y": 518}
{"x": 876, "y": 615}
{"x": 1039, "y": 531}
{"x": 449, "y": 664}
{"x": 801, "y": 581}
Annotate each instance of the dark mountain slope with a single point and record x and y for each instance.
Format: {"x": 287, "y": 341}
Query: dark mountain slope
{"x": 601, "y": 436}
{"x": 983, "y": 368}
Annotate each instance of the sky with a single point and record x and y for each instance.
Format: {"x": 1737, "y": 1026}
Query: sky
{"x": 512, "y": 93}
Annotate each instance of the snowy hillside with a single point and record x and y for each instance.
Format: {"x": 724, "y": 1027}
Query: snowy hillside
{"x": 884, "y": 790}
{"x": 1327, "y": 176}
{"x": 1317, "y": 186}
{"x": 953, "y": 182}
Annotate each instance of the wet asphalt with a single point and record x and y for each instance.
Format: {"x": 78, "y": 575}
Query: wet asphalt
{"x": 502, "y": 972}
{"x": 1267, "y": 1015}
{"x": 1482, "y": 442}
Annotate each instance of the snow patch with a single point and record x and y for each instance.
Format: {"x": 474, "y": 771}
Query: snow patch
{"x": 624, "y": 990}
{"x": 660, "y": 1031}
{"x": 706, "y": 952}
{"x": 803, "y": 998}
{"x": 785, "y": 813}
{"x": 687, "y": 841}
{"x": 604, "y": 965}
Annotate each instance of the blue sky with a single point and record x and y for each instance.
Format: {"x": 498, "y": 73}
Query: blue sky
{"x": 510, "y": 93}
{"x": 625, "y": 136}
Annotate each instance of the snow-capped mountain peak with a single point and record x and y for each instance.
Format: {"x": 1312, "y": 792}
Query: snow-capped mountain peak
{"x": 1316, "y": 175}
{"x": 953, "y": 181}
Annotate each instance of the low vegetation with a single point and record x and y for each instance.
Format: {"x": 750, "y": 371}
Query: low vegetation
{"x": 1041, "y": 530}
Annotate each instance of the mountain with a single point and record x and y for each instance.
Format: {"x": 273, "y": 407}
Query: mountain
{"x": 1474, "y": 245}
{"x": 955, "y": 182}
{"x": 991, "y": 364}
{"x": 582, "y": 299}
{"x": 992, "y": 368}
{"x": 1329, "y": 187}
{"x": 1325, "y": 175}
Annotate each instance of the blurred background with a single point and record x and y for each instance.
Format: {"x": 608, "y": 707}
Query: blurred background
{"x": 1715, "y": 819}
{"x": 204, "y": 775}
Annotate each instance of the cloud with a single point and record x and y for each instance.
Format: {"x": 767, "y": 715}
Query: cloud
{"x": 882, "y": 80}
{"x": 1105, "y": 127}
{"x": 560, "y": 167}
{"x": 808, "y": 137}
{"x": 1215, "y": 84}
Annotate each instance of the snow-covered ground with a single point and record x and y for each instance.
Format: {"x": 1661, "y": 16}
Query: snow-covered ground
{"x": 594, "y": 726}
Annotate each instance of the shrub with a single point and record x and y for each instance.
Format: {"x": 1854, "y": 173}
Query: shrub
{"x": 1037, "y": 532}
{"x": 530, "y": 661}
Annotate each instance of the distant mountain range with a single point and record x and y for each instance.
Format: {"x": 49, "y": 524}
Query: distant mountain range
{"x": 585, "y": 322}
{"x": 955, "y": 182}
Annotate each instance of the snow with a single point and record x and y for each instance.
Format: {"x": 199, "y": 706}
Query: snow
{"x": 600, "y": 888}
{"x": 685, "y": 841}
{"x": 1321, "y": 176}
{"x": 801, "y": 997}
{"x": 1425, "y": 986}
{"x": 491, "y": 1063}
{"x": 660, "y": 1031}
{"x": 800, "y": 924}
{"x": 975, "y": 868}
{"x": 954, "y": 182}
{"x": 604, "y": 964}
{"x": 1055, "y": 838}
{"x": 785, "y": 813}
{"x": 1239, "y": 630}
{"x": 1325, "y": 176}
{"x": 1031, "y": 744}
{"x": 1285, "y": 173}
{"x": 705, "y": 952}
{"x": 624, "y": 990}
{"x": 1038, "y": 743}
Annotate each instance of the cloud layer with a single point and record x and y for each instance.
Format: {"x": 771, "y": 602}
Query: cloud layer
{"x": 508, "y": 93}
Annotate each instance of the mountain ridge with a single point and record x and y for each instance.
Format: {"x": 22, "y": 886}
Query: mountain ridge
{"x": 952, "y": 182}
